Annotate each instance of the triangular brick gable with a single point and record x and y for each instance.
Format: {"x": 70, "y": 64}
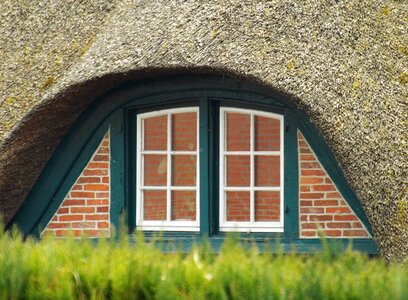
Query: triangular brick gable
{"x": 321, "y": 206}
{"x": 85, "y": 209}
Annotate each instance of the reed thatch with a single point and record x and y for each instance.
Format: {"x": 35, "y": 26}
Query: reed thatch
{"x": 345, "y": 61}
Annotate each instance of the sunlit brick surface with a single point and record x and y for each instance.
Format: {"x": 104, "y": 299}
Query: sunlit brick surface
{"x": 267, "y": 206}
{"x": 85, "y": 209}
{"x": 154, "y": 204}
{"x": 238, "y": 206}
{"x": 155, "y": 133}
{"x": 184, "y": 169}
{"x": 155, "y": 169}
{"x": 267, "y": 134}
{"x": 238, "y": 170}
{"x": 238, "y": 132}
{"x": 267, "y": 170}
{"x": 321, "y": 206}
{"x": 183, "y": 205}
{"x": 184, "y": 131}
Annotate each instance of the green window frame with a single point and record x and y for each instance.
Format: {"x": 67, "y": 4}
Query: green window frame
{"x": 117, "y": 112}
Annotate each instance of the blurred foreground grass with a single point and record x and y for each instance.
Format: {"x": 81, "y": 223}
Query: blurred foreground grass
{"x": 117, "y": 269}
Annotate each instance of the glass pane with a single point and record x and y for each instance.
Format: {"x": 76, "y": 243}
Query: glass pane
{"x": 238, "y": 132}
{"x": 267, "y": 206}
{"x": 154, "y": 205}
{"x": 267, "y": 134}
{"x": 184, "y": 170}
{"x": 184, "y": 131}
{"x": 238, "y": 206}
{"x": 155, "y": 133}
{"x": 183, "y": 205}
{"x": 155, "y": 170}
{"x": 238, "y": 170}
{"x": 267, "y": 170}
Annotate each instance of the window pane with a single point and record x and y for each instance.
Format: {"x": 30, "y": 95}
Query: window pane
{"x": 154, "y": 205}
{"x": 267, "y": 206}
{"x": 267, "y": 134}
{"x": 238, "y": 170}
{"x": 155, "y": 170}
{"x": 184, "y": 131}
{"x": 183, "y": 205}
{"x": 155, "y": 133}
{"x": 267, "y": 170}
{"x": 238, "y": 132}
{"x": 238, "y": 206}
{"x": 184, "y": 170}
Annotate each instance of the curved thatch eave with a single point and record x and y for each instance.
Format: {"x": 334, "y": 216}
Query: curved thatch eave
{"x": 345, "y": 62}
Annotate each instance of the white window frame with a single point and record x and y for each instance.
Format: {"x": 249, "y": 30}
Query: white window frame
{"x": 252, "y": 225}
{"x": 167, "y": 225}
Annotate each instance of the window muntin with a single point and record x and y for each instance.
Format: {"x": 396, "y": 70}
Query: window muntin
{"x": 251, "y": 171}
{"x": 167, "y": 188}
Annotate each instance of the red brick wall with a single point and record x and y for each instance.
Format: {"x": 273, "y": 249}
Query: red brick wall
{"x": 85, "y": 209}
{"x": 321, "y": 205}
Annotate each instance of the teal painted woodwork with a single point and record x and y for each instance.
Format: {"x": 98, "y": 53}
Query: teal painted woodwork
{"x": 117, "y": 110}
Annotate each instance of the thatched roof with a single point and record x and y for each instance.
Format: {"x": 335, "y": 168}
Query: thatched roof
{"x": 345, "y": 61}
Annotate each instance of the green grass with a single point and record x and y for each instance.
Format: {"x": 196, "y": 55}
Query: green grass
{"x": 82, "y": 269}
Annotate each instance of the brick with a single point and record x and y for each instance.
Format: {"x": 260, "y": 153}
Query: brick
{"x": 332, "y": 233}
{"x": 101, "y": 209}
{"x": 306, "y": 203}
{"x": 328, "y": 180}
{"x": 63, "y": 210}
{"x": 312, "y": 210}
{"x": 305, "y": 188}
{"x": 333, "y": 195}
{"x": 54, "y": 225}
{"x": 338, "y": 225}
{"x": 84, "y": 225}
{"x": 310, "y": 165}
{"x": 71, "y": 217}
{"x": 355, "y": 232}
{"x": 102, "y": 195}
{"x": 307, "y": 157}
{"x": 311, "y": 180}
{"x": 309, "y": 233}
{"x": 89, "y": 179}
{"x": 76, "y": 187}
{"x": 312, "y": 172}
{"x": 82, "y": 195}
{"x": 324, "y": 188}
{"x": 311, "y": 195}
{"x": 95, "y": 172}
{"x": 97, "y": 202}
{"x": 98, "y": 165}
{"x": 101, "y": 157}
{"x": 303, "y": 218}
{"x": 105, "y": 179}
{"x": 72, "y": 202}
{"x": 320, "y": 217}
{"x": 97, "y": 217}
{"x": 338, "y": 210}
{"x": 357, "y": 225}
{"x": 96, "y": 187}
{"x": 345, "y": 218}
{"x": 312, "y": 225}
{"x": 82, "y": 209}
{"x": 325, "y": 202}
{"x": 103, "y": 224}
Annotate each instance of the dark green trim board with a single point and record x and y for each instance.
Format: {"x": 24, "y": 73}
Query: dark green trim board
{"x": 117, "y": 110}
